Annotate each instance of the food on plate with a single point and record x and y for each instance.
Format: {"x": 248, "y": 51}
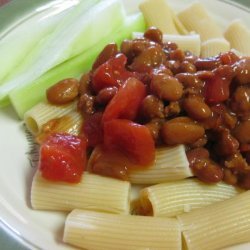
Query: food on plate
{"x": 167, "y": 110}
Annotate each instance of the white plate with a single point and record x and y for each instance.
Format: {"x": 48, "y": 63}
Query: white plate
{"x": 39, "y": 229}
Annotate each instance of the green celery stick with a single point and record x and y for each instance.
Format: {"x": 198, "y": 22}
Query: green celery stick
{"x": 25, "y": 97}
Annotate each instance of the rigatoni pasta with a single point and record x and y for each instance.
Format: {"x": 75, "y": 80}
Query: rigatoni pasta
{"x": 94, "y": 192}
{"x": 163, "y": 20}
{"x": 214, "y": 46}
{"x": 44, "y": 112}
{"x": 174, "y": 198}
{"x": 100, "y": 231}
{"x": 219, "y": 225}
{"x": 196, "y": 18}
{"x": 238, "y": 34}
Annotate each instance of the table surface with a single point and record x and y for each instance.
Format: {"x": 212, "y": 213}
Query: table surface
{"x": 11, "y": 9}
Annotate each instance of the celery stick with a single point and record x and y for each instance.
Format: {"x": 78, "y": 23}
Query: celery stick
{"x": 19, "y": 41}
{"x": 74, "y": 37}
{"x": 25, "y": 97}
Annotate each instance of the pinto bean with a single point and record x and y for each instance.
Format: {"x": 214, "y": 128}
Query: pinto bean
{"x": 188, "y": 67}
{"x": 166, "y": 87}
{"x": 148, "y": 59}
{"x": 177, "y": 55}
{"x": 240, "y": 102}
{"x": 173, "y": 66}
{"x": 181, "y": 130}
{"x": 189, "y": 80}
{"x": 172, "y": 109}
{"x": 153, "y": 34}
{"x": 86, "y": 104}
{"x": 207, "y": 171}
{"x": 84, "y": 84}
{"x": 105, "y": 95}
{"x": 207, "y": 63}
{"x": 242, "y": 132}
{"x": 152, "y": 107}
{"x": 196, "y": 107}
{"x": 229, "y": 177}
{"x": 63, "y": 92}
{"x": 154, "y": 127}
{"x": 242, "y": 71}
{"x": 197, "y": 154}
{"x": 108, "y": 52}
{"x": 170, "y": 46}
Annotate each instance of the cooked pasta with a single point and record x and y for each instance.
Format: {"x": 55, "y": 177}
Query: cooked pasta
{"x": 238, "y": 34}
{"x": 219, "y": 225}
{"x": 196, "y": 18}
{"x": 100, "y": 231}
{"x": 92, "y": 193}
{"x": 214, "y": 46}
{"x": 44, "y": 112}
{"x": 173, "y": 198}
{"x": 190, "y": 42}
{"x": 164, "y": 18}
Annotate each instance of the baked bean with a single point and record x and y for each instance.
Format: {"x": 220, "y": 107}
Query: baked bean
{"x": 242, "y": 132}
{"x": 190, "y": 57}
{"x": 170, "y": 46}
{"x": 152, "y": 107}
{"x": 188, "y": 67}
{"x": 244, "y": 181}
{"x": 177, "y": 55}
{"x": 197, "y": 154}
{"x": 226, "y": 143}
{"x": 196, "y": 108}
{"x": 204, "y": 74}
{"x": 242, "y": 71}
{"x": 229, "y": 177}
{"x": 240, "y": 101}
{"x": 237, "y": 162}
{"x": 148, "y": 59}
{"x": 166, "y": 87}
{"x": 207, "y": 171}
{"x": 105, "y": 95}
{"x": 86, "y": 104}
{"x": 162, "y": 69}
{"x": 199, "y": 143}
{"x": 181, "y": 130}
{"x": 153, "y": 34}
{"x": 207, "y": 63}
{"x": 189, "y": 80}
{"x": 63, "y": 92}
{"x": 108, "y": 52}
{"x": 154, "y": 127}
{"x": 84, "y": 84}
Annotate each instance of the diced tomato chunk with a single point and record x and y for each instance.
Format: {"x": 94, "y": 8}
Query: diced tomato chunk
{"x": 92, "y": 129}
{"x": 125, "y": 104}
{"x": 111, "y": 73}
{"x": 133, "y": 139}
{"x": 63, "y": 158}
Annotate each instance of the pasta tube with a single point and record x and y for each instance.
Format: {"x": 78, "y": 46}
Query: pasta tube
{"x": 238, "y": 35}
{"x": 92, "y": 193}
{"x": 196, "y": 18}
{"x": 44, "y": 112}
{"x": 164, "y": 18}
{"x": 218, "y": 225}
{"x": 214, "y": 46}
{"x": 170, "y": 164}
{"x": 100, "y": 231}
{"x": 190, "y": 42}
{"x": 173, "y": 198}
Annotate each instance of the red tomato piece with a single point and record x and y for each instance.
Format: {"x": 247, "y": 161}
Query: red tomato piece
{"x": 63, "y": 158}
{"x": 92, "y": 129}
{"x": 133, "y": 139}
{"x": 217, "y": 88}
{"x": 111, "y": 73}
{"x": 125, "y": 104}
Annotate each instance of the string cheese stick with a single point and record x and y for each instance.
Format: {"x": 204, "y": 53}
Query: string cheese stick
{"x": 190, "y": 42}
{"x": 173, "y": 198}
{"x": 94, "y": 192}
{"x": 218, "y": 225}
{"x": 44, "y": 112}
{"x": 196, "y": 18}
{"x": 100, "y": 231}
{"x": 214, "y": 46}
{"x": 238, "y": 34}
{"x": 163, "y": 20}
